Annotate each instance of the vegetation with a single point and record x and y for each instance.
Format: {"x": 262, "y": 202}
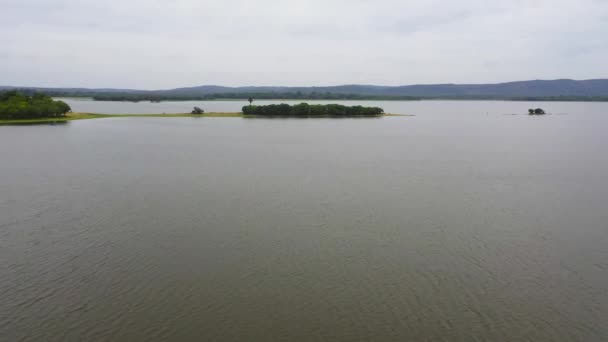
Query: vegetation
{"x": 535, "y": 90}
{"x": 137, "y": 97}
{"x": 19, "y": 108}
{"x": 159, "y": 96}
{"x": 15, "y": 105}
{"x": 295, "y": 94}
{"x": 333, "y": 96}
{"x": 537, "y": 111}
{"x": 197, "y": 110}
{"x": 306, "y": 110}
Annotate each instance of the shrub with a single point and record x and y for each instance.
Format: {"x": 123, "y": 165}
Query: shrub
{"x": 537, "y": 111}
{"x": 197, "y": 110}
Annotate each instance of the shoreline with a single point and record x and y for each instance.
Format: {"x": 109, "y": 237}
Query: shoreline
{"x": 88, "y": 116}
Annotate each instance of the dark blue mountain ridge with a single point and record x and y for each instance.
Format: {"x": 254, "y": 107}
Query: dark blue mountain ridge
{"x": 533, "y": 88}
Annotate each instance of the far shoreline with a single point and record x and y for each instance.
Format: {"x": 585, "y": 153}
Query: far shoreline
{"x": 531, "y": 99}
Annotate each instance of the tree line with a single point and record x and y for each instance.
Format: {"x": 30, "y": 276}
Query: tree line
{"x": 158, "y": 96}
{"x": 239, "y": 96}
{"x": 16, "y": 105}
{"x": 137, "y": 97}
{"x": 307, "y": 110}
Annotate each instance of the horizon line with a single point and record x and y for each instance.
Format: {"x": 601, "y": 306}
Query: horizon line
{"x": 309, "y": 86}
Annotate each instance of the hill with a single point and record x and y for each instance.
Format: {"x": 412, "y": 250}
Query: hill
{"x": 563, "y": 87}
{"x": 547, "y": 89}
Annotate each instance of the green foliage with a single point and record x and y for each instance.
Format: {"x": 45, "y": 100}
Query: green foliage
{"x": 537, "y": 111}
{"x": 158, "y": 97}
{"x": 306, "y": 110}
{"x": 197, "y": 110}
{"x": 15, "y": 105}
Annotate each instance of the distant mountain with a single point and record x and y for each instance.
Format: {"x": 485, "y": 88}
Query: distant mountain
{"x": 75, "y": 90}
{"x": 561, "y": 87}
{"x": 342, "y": 89}
{"x": 540, "y": 88}
{"x": 535, "y": 88}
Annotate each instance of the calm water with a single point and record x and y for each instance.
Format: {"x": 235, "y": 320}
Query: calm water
{"x": 452, "y": 225}
{"x": 395, "y": 107}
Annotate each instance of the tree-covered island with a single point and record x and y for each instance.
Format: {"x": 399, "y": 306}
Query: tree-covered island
{"x": 19, "y": 108}
{"x": 315, "y": 110}
{"x": 15, "y": 106}
{"x": 537, "y": 111}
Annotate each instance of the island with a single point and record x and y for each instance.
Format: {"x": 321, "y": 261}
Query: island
{"x": 316, "y": 110}
{"x": 19, "y": 108}
{"x": 537, "y": 111}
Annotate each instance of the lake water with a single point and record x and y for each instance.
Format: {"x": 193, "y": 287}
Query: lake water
{"x": 457, "y": 224}
{"x": 394, "y": 107}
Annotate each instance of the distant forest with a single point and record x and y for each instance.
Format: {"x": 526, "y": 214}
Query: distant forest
{"x": 160, "y": 96}
{"x": 244, "y": 96}
{"x": 326, "y": 96}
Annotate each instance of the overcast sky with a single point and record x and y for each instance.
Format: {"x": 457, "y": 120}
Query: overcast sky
{"x": 157, "y": 44}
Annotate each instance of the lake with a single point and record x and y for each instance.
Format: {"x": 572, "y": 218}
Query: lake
{"x": 460, "y": 223}
{"x": 395, "y": 107}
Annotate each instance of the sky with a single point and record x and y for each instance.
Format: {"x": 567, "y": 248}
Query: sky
{"x": 162, "y": 44}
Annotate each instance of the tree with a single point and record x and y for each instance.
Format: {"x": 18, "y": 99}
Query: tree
{"x": 250, "y": 100}
{"x": 537, "y": 111}
{"x": 16, "y": 105}
{"x": 316, "y": 110}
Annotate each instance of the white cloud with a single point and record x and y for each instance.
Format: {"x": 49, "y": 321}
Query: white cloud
{"x": 163, "y": 44}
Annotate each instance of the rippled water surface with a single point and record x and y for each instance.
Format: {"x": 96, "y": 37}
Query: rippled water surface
{"x": 457, "y": 224}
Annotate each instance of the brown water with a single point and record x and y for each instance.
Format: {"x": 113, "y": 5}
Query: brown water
{"x": 438, "y": 227}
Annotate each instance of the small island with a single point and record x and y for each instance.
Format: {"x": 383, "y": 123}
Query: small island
{"x": 305, "y": 110}
{"x": 537, "y": 111}
{"x": 197, "y": 111}
{"x": 17, "y": 106}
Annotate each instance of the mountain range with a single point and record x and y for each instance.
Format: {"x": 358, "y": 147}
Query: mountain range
{"x": 534, "y": 88}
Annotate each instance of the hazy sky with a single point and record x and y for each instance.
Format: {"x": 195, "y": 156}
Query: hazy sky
{"x": 155, "y": 44}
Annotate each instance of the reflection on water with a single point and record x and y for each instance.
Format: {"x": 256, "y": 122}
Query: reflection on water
{"x": 46, "y": 123}
{"x": 438, "y": 227}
